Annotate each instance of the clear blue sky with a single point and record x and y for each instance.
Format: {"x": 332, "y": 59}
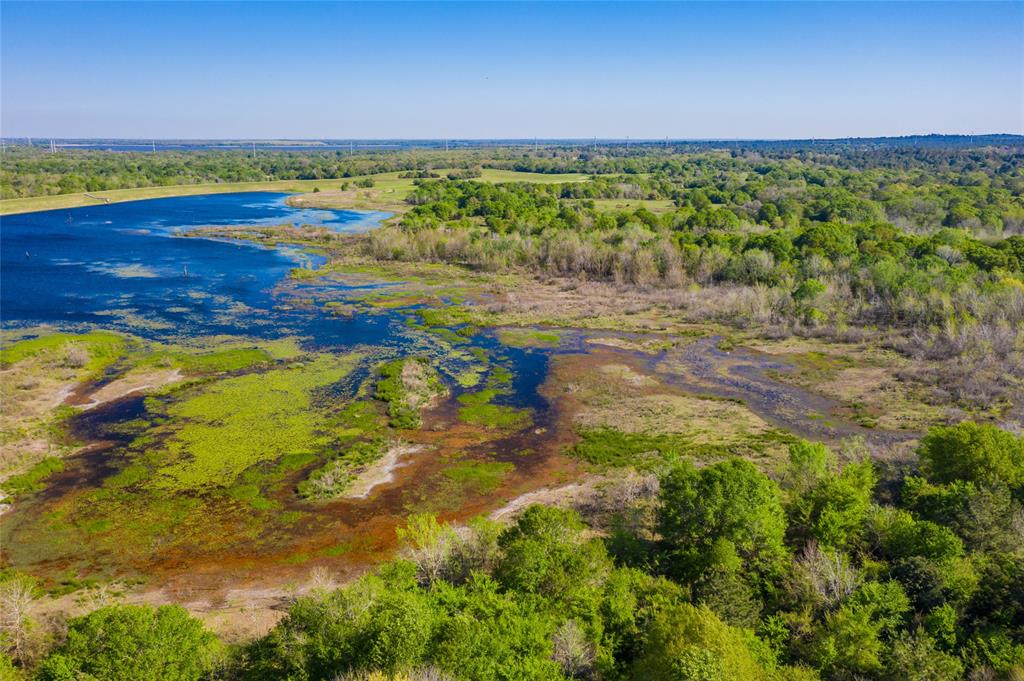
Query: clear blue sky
{"x": 307, "y": 70}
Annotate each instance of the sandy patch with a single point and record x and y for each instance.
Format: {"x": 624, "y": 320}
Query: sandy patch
{"x": 381, "y": 472}
{"x": 646, "y": 345}
{"x": 566, "y": 495}
{"x": 132, "y": 383}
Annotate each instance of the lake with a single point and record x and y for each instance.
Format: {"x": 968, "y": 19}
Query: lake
{"x": 125, "y": 266}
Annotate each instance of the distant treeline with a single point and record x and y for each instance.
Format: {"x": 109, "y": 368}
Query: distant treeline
{"x": 26, "y": 171}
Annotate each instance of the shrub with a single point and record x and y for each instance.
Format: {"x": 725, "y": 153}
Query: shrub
{"x": 730, "y": 500}
{"x": 973, "y": 452}
{"x": 133, "y": 643}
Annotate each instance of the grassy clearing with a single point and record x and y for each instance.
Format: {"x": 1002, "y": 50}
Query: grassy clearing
{"x": 657, "y": 206}
{"x": 92, "y": 351}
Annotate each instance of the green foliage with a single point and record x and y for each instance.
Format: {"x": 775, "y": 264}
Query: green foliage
{"x": 834, "y": 509}
{"x": 133, "y": 643}
{"x": 852, "y": 640}
{"x": 32, "y": 479}
{"x": 494, "y": 636}
{"x": 547, "y": 554}
{"x": 731, "y": 500}
{"x": 687, "y": 643}
{"x": 972, "y": 452}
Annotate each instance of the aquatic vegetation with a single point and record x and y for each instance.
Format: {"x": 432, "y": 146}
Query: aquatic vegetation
{"x": 31, "y": 480}
{"x": 470, "y": 378}
{"x": 225, "y": 427}
{"x": 478, "y": 410}
{"x": 529, "y": 338}
{"x": 407, "y": 386}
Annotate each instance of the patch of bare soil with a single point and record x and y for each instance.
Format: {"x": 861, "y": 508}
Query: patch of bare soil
{"x": 127, "y": 385}
{"x": 382, "y": 471}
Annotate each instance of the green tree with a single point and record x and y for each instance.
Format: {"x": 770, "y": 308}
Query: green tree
{"x": 981, "y": 453}
{"x": 546, "y": 553}
{"x": 730, "y": 500}
{"x": 689, "y": 643}
{"x": 133, "y": 643}
{"x": 834, "y": 510}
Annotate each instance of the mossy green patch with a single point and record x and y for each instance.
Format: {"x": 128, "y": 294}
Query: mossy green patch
{"x": 478, "y": 477}
{"x": 529, "y": 338}
{"x": 32, "y": 480}
{"x": 234, "y": 359}
{"x": 100, "y": 349}
{"x": 226, "y": 426}
{"x": 470, "y": 378}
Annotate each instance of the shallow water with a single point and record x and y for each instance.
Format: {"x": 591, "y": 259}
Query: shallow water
{"x": 124, "y": 266}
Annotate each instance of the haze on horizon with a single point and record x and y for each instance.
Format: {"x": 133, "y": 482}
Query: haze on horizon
{"x": 499, "y": 70}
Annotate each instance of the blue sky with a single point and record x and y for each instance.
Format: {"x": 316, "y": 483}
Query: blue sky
{"x": 477, "y": 70}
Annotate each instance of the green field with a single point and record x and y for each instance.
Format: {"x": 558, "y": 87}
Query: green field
{"x": 392, "y": 187}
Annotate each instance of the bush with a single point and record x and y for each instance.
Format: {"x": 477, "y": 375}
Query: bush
{"x": 973, "y": 452}
{"x": 731, "y": 500}
{"x": 133, "y": 643}
{"x": 688, "y": 643}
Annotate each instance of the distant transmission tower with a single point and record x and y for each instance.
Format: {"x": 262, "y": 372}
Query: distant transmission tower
{"x": 254, "y": 149}
{"x": 154, "y": 145}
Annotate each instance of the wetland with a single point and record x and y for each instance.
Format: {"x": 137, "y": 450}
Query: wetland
{"x": 248, "y": 401}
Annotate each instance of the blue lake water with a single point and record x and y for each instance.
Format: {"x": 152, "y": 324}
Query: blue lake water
{"x": 125, "y": 266}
